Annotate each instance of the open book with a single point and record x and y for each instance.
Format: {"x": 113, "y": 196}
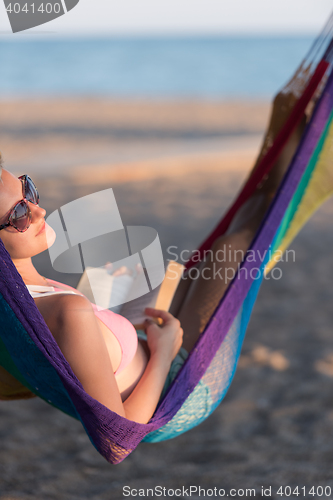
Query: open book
{"x": 125, "y": 293}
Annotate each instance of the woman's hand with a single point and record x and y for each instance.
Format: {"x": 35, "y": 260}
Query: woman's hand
{"x": 164, "y": 340}
{"x": 123, "y": 270}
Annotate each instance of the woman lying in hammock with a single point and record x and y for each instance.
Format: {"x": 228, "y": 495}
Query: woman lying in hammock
{"x": 124, "y": 374}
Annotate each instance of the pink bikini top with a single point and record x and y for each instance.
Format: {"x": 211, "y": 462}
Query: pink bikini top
{"x": 121, "y": 328}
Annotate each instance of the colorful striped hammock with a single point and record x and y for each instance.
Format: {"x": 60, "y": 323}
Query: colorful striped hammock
{"x": 31, "y": 362}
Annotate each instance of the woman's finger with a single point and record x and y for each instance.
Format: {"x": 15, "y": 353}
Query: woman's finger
{"x": 149, "y": 321}
{"x": 139, "y": 268}
{"x": 158, "y": 313}
{"x": 109, "y": 267}
{"x": 122, "y": 270}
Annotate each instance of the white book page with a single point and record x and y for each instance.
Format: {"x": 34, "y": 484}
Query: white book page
{"x": 124, "y": 293}
{"x": 104, "y": 289}
{"x": 134, "y": 310}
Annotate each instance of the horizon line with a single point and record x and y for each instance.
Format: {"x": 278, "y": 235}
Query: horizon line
{"x": 159, "y": 34}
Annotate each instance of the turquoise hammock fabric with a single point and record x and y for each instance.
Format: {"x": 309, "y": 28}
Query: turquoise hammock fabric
{"x": 30, "y": 354}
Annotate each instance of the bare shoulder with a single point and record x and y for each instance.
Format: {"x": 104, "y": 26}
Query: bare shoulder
{"x": 74, "y": 327}
{"x": 66, "y": 312}
{"x": 75, "y": 315}
{"x": 70, "y": 303}
{"x": 73, "y": 324}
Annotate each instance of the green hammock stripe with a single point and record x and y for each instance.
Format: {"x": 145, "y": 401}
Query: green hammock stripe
{"x": 7, "y": 363}
{"x": 20, "y": 344}
{"x": 302, "y": 187}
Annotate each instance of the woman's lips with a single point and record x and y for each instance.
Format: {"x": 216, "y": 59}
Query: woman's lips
{"x": 42, "y": 229}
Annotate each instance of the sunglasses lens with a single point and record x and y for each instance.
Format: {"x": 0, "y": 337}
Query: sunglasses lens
{"x": 31, "y": 193}
{"x": 20, "y": 217}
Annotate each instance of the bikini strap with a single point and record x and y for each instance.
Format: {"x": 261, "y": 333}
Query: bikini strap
{"x": 37, "y": 291}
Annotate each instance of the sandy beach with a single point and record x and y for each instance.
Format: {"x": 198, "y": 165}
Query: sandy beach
{"x": 176, "y": 166}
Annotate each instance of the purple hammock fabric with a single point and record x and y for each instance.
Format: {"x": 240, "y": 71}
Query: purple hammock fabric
{"x": 114, "y": 436}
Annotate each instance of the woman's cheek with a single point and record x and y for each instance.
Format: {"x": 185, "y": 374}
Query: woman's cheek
{"x": 27, "y": 244}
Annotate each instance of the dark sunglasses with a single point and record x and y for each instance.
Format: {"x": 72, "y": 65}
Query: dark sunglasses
{"x": 20, "y": 215}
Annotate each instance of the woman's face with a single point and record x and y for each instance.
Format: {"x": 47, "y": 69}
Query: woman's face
{"x": 37, "y": 238}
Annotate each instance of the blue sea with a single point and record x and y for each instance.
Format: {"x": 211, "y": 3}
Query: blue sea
{"x": 197, "y": 67}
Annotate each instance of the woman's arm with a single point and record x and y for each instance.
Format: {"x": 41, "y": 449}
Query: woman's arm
{"x": 164, "y": 343}
{"x": 76, "y": 330}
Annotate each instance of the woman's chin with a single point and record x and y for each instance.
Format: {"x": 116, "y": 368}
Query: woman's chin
{"x": 50, "y": 235}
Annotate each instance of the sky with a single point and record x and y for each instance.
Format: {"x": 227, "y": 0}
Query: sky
{"x": 183, "y": 17}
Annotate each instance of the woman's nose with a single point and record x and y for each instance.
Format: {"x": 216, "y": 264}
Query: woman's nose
{"x": 37, "y": 212}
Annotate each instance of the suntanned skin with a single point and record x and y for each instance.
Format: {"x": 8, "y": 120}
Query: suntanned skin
{"x": 89, "y": 346}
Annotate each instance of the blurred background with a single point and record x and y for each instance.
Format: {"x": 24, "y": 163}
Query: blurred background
{"x": 167, "y": 104}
